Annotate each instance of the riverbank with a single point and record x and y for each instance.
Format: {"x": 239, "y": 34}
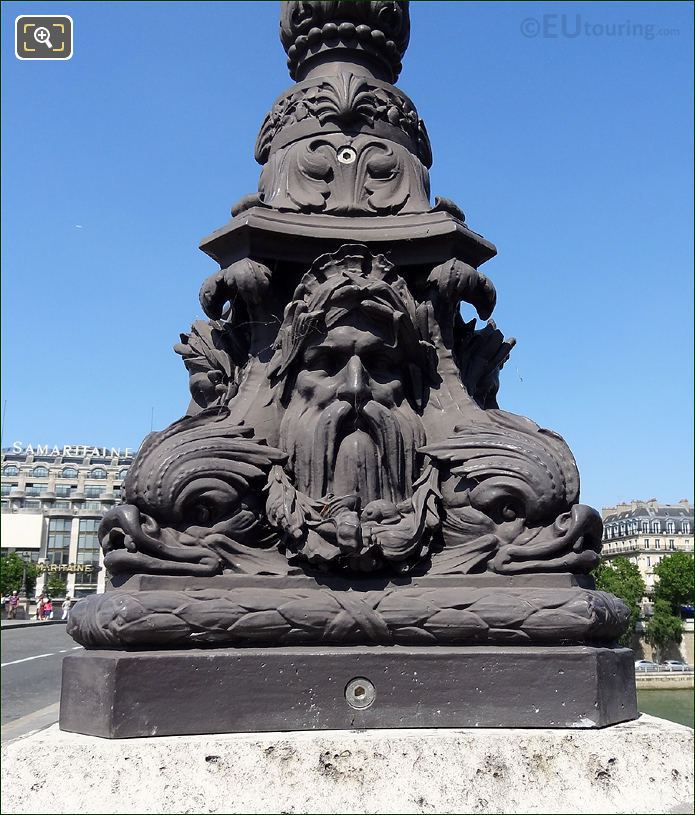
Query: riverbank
{"x": 665, "y": 680}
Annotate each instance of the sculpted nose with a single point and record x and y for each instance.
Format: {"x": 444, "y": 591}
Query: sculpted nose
{"x": 355, "y": 388}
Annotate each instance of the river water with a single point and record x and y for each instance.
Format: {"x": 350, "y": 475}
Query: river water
{"x": 674, "y": 705}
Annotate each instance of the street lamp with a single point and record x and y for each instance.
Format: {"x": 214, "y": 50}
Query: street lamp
{"x": 23, "y": 587}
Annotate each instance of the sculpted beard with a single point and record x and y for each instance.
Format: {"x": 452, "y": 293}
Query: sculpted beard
{"x": 339, "y": 450}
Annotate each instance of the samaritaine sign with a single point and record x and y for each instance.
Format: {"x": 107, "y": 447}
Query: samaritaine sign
{"x": 71, "y": 568}
{"x": 72, "y": 450}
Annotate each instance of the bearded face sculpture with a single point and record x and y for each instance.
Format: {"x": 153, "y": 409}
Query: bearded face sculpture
{"x": 349, "y": 428}
{"x": 352, "y": 371}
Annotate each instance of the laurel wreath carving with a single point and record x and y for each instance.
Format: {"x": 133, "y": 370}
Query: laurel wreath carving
{"x": 402, "y": 615}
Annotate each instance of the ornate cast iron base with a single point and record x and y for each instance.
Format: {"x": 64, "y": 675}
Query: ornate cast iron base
{"x": 345, "y": 530}
{"x": 132, "y": 694}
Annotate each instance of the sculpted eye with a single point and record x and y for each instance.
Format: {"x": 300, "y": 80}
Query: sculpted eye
{"x": 208, "y": 506}
{"x": 381, "y": 366}
{"x": 328, "y": 362}
{"x": 509, "y": 513}
{"x": 201, "y": 514}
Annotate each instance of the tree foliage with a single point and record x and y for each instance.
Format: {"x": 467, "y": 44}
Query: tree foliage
{"x": 664, "y": 628}
{"x": 56, "y": 587}
{"x": 676, "y": 584}
{"x": 623, "y": 579}
{"x": 11, "y": 570}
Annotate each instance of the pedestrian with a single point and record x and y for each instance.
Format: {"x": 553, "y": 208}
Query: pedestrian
{"x": 67, "y": 603}
{"x": 39, "y": 608}
{"x": 48, "y": 609}
{"x": 14, "y": 604}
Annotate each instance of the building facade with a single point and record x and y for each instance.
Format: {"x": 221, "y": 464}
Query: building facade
{"x": 645, "y": 532}
{"x": 53, "y": 500}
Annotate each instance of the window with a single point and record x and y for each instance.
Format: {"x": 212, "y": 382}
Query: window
{"x": 649, "y": 561}
{"x": 645, "y": 526}
{"x": 685, "y": 527}
{"x": 93, "y": 492}
{"x": 10, "y": 470}
{"x": 5, "y": 504}
{"x": 671, "y": 527}
{"x": 28, "y": 555}
{"x": 656, "y": 526}
{"x": 58, "y": 543}
{"x": 622, "y": 528}
{"x": 646, "y": 543}
{"x": 123, "y": 473}
{"x": 98, "y": 472}
{"x": 61, "y": 505}
{"x": 69, "y": 472}
{"x": 40, "y": 472}
{"x": 88, "y": 551}
{"x": 6, "y": 488}
{"x": 92, "y": 505}
{"x": 31, "y": 503}
{"x": 657, "y": 543}
{"x": 35, "y": 489}
{"x": 65, "y": 490}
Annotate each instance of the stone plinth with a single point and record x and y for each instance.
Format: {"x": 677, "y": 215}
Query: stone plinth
{"x": 125, "y": 694}
{"x": 643, "y": 766}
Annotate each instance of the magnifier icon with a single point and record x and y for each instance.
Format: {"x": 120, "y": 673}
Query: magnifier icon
{"x": 43, "y": 35}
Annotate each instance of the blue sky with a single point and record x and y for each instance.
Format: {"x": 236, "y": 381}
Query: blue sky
{"x": 571, "y": 153}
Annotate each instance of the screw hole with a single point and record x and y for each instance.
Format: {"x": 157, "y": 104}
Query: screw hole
{"x": 346, "y": 155}
{"x": 360, "y": 693}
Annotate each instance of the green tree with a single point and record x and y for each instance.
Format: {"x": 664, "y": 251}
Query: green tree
{"x": 624, "y": 580}
{"x": 676, "y": 584}
{"x": 11, "y": 570}
{"x": 56, "y": 586}
{"x": 663, "y": 629}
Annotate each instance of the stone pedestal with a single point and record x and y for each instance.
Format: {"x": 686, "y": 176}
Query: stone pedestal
{"x": 121, "y": 694}
{"x": 643, "y": 766}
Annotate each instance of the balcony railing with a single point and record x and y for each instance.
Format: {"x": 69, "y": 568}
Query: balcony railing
{"x": 636, "y": 548}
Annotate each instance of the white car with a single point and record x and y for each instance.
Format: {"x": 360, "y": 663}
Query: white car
{"x": 646, "y": 665}
{"x": 675, "y": 665}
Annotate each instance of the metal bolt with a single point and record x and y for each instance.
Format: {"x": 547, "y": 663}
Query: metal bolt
{"x": 360, "y": 693}
{"x": 346, "y": 155}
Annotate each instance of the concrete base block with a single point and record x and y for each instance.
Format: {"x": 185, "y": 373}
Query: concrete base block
{"x": 643, "y": 766}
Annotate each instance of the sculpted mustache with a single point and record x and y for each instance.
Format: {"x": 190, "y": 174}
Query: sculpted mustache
{"x": 378, "y": 422}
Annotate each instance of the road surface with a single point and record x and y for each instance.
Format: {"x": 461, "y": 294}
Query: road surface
{"x": 32, "y": 657}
